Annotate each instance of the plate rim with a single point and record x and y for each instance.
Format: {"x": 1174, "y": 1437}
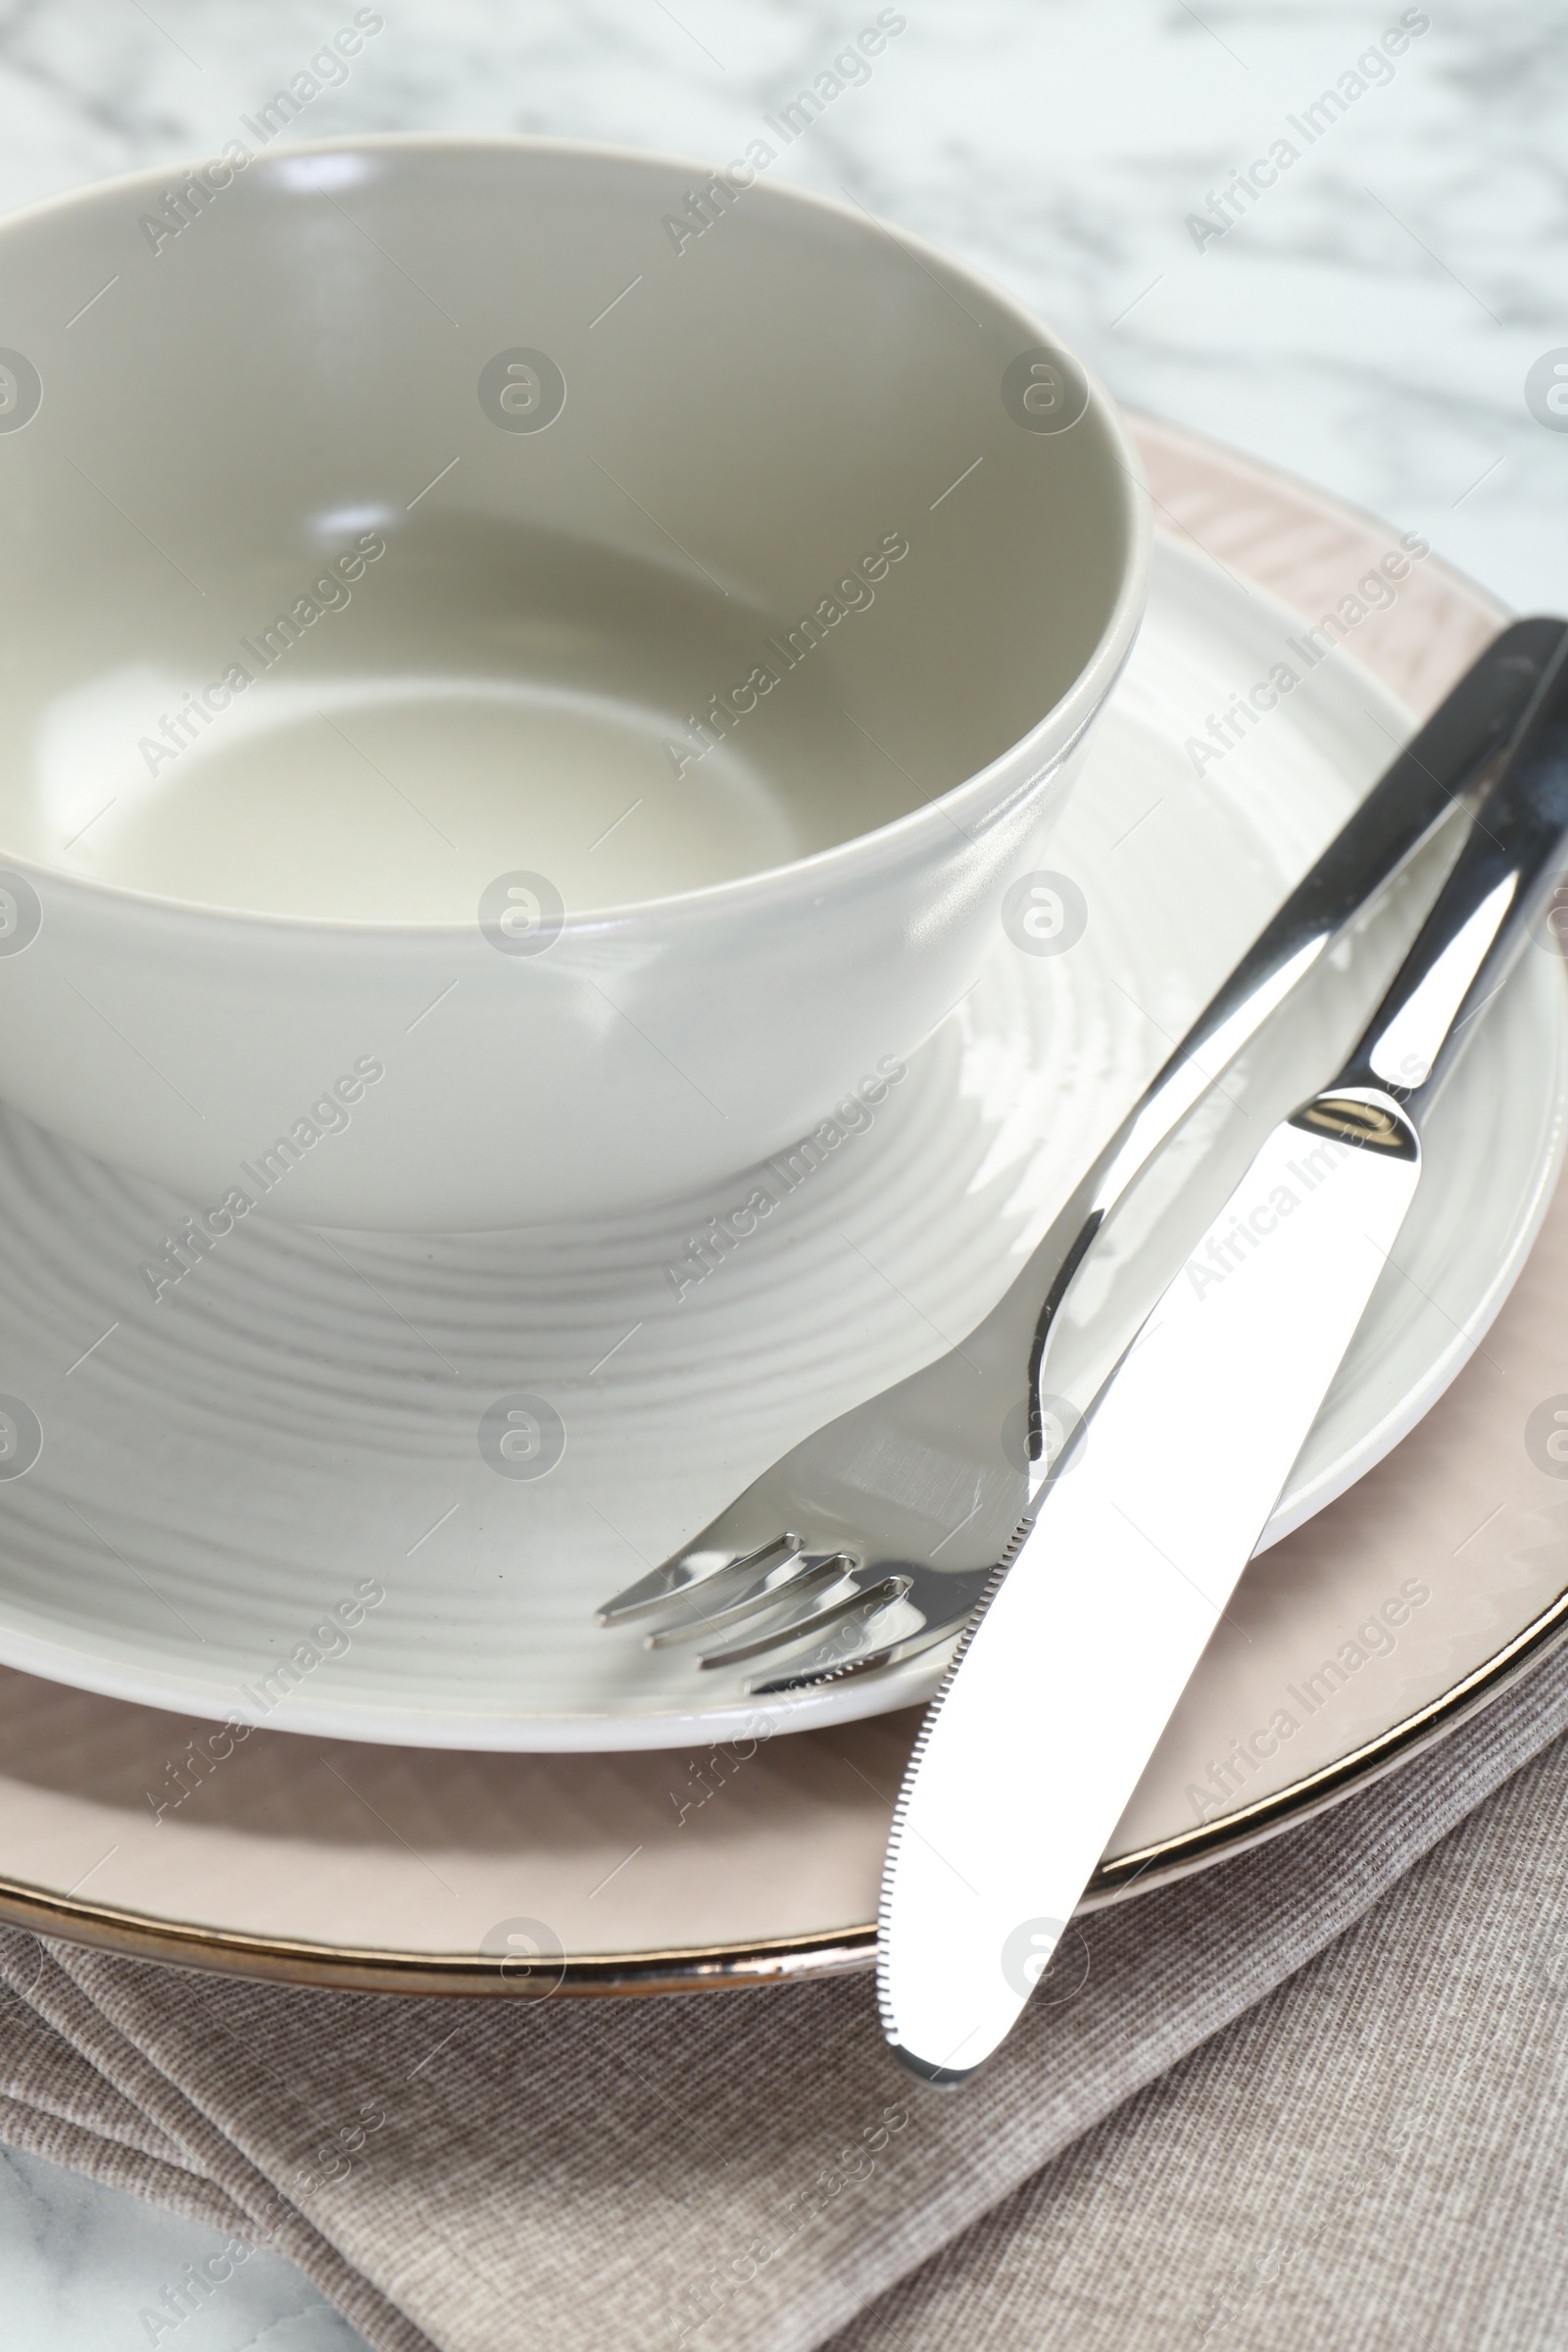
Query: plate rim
{"x": 773, "y": 1960}
{"x": 53, "y": 1653}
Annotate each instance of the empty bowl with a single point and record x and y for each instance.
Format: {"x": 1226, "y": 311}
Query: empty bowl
{"x": 531, "y": 667}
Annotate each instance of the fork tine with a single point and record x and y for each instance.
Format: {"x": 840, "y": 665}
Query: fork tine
{"x": 831, "y": 1664}
{"x": 877, "y": 1596}
{"x": 776, "y": 1586}
{"x": 675, "y": 1581}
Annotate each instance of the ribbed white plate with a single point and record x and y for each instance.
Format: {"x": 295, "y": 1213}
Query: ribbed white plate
{"x": 299, "y": 1418}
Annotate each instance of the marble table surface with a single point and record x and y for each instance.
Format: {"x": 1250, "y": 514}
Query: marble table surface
{"x": 1365, "y": 309}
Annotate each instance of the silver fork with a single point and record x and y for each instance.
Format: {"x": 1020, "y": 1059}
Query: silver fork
{"x": 831, "y": 1563}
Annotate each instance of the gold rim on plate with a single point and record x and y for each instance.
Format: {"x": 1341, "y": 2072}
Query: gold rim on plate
{"x": 733, "y": 1967}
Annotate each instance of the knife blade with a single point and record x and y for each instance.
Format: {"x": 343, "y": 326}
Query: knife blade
{"x": 1075, "y": 1660}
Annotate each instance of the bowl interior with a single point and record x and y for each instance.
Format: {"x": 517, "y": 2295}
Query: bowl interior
{"x": 406, "y": 514}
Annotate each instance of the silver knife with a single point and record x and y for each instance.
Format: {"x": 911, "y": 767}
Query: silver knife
{"x": 1069, "y": 1672}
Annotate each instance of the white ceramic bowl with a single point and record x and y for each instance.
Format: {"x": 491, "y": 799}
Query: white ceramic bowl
{"x": 536, "y": 672}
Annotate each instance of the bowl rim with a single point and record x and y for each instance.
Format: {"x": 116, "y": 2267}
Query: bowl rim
{"x": 1044, "y": 747}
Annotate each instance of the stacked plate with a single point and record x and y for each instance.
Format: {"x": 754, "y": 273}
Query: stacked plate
{"x": 297, "y": 1685}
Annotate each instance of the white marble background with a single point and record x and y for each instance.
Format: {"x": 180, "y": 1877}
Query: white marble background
{"x": 1369, "y": 322}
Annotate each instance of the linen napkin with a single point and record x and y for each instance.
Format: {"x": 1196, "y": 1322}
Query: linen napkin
{"x": 753, "y": 2169}
{"x": 1371, "y": 2156}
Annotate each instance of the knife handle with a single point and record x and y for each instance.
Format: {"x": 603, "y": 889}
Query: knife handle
{"x": 1480, "y": 921}
{"x": 1445, "y": 761}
